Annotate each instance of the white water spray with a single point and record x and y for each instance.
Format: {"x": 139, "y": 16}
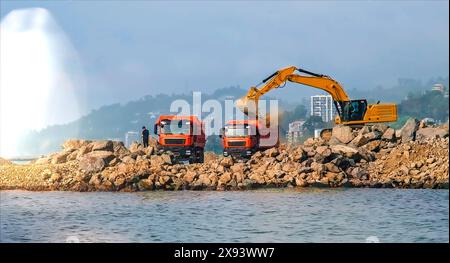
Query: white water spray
{"x": 40, "y": 76}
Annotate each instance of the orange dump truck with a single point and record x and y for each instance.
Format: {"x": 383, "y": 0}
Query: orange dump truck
{"x": 242, "y": 138}
{"x": 184, "y": 136}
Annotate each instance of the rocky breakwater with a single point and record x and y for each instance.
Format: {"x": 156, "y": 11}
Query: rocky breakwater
{"x": 376, "y": 156}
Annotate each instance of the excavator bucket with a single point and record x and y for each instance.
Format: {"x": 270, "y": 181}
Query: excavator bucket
{"x": 247, "y": 106}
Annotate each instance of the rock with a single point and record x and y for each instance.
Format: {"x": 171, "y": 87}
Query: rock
{"x": 95, "y": 180}
{"x": 104, "y": 155}
{"x": 5, "y": 162}
{"x": 237, "y": 168}
{"x": 359, "y": 140}
{"x": 91, "y": 164}
{"x": 257, "y": 178}
{"x": 366, "y": 155}
{"x": 134, "y": 147}
{"x": 149, "y": 150}
{"x": 189, "y": 177}
{"x": 60, "y": 157}
{"x": 74, "y": 144}
{"x": 373, "y": 135}
{"x": 84, "y": 150}
{"x": 343, "y": 133}
{"x": 364, "y": 130}
{"x": 159, "y": 160}
{"x": 430, "y": 133}
{"x": 95, "y": 161}
{"x": 359, "y": 173}
{"x": 347, "y": 151}
{"x": 398, "y": 134}
{"x": 146, "y": 184}
{"x": 55, "y": 177}
{"x": 309, "y": 142}
{"x": 373, "y": 146}
{"x": 128, "y": 159}
{"x": 43, "y": 160}
{"x": 119, "y": 149}
{"x": 331, "y": 167}
{"x": 381, "y": 127}
{"x": 167, "y": 159}
{"x": 114, "y": 162}
{"x": 72, "y": 156}
{"x": 334, "y": 141}
{"x": 227, "y": 162}
{"x": 299, "y": 155}
{"x": 225, "y": 178}
{"x": 324, "y": 151}
{"x": 389, "y": 134}
{"x": 272, "y": 152}
{"x": 408, "y": 131}
{"x": 103, "y": 146}
{"x": 305, "y": 170}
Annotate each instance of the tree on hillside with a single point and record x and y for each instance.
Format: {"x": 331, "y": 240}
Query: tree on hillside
{"x": 431, "y": 104}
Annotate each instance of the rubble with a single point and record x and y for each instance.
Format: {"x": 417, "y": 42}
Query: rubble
{"x": 373, "y": 156}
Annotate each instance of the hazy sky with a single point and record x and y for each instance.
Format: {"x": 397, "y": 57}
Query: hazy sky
{"x": 130, "y": 49}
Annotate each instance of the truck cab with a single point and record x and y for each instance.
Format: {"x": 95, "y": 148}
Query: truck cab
{"x": 242, "y": 138}
{"x": 184, "y": 136}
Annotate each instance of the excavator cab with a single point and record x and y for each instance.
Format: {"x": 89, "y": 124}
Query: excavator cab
{"x": 353, "y": 110}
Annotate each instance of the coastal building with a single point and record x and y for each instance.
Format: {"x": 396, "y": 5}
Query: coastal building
{"x": 295, "y": 131}
{"x": 322, "y": 106}
{"x": 438, "y": 87}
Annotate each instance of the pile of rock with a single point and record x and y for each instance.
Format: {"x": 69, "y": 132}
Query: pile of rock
{"x": 376, "y": 156}
{"x": 5, "y": 162}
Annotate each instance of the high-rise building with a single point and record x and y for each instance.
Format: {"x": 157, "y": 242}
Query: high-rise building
{"x": 323, "y": 106}
{"x": 295, "y": 132}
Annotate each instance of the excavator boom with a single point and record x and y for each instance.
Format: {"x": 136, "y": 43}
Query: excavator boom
{"x": 349, "y": 111}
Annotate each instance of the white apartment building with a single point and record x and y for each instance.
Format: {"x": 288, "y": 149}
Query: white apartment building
{"x": 323, "y": 106}
{"x": 295, "y": 131}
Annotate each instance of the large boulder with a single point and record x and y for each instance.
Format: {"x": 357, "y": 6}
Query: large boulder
{"x": 389, "y": 134}
{"x": 120, "y": 149}
{"x": 95, "y": 161}
{"x": 159, "y": 160}
{"x": 227, "y": 162}
{"x": 60, "y": 157}
{"x": 381, "y": 127}
{"x": 344, "y": 150}
{"x": 359, "y": 140}
{"x": 272, "y": 152}
{"x": 343, "y": 133}
{"x": 429, "y": 133}
{"x": 103, "y": 146}
{"x": 90, "y": 164}
{"x": 136, "y": 147}
{"x": 408, "y": 131}
{"x": 74, "y": 144}
{"x": 373, "y": 135}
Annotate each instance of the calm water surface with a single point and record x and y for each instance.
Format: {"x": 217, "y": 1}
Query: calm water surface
{"x": 310, "y": 215}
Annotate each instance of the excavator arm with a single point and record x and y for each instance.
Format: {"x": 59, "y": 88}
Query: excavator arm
{"x": 351, "y": 112}
{"x": 249, "y": 103}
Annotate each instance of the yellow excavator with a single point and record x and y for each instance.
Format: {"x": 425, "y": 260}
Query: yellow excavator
{"x": 354, "y": 113}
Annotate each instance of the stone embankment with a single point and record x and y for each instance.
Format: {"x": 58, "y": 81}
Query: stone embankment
{"x": 376, "y": 156}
